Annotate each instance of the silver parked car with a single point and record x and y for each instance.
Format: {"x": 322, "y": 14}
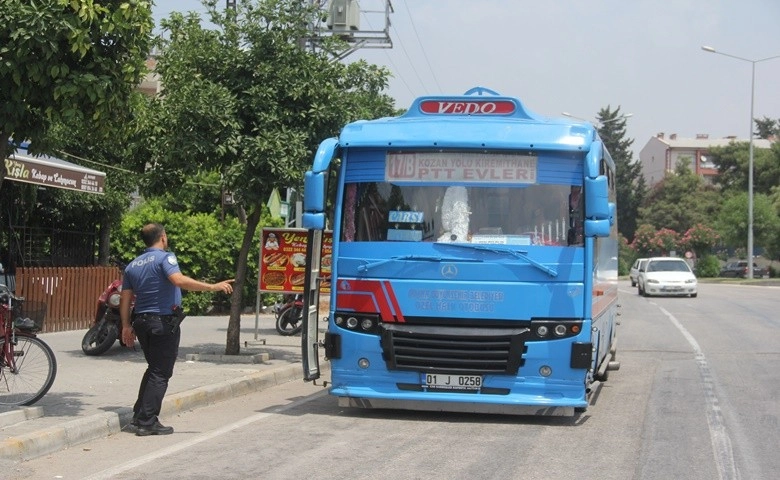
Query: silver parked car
{"x": 666, "y": 276}
{"x": 634, "y": 272}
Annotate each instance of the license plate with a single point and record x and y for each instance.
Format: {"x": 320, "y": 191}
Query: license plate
{"x": 452, "y": 382}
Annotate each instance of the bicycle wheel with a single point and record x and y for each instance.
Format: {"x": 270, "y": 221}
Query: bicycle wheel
{"x": 33, "y": 374}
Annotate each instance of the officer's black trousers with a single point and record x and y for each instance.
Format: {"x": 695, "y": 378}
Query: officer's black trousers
{"x": 161, "y": 346}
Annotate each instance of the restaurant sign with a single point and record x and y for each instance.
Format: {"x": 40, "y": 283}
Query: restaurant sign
{"x": 53, "y": 172}
{"x": 283, "y": 260}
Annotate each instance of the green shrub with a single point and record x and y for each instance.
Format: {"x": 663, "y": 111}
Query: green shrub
{"x": 707, "y": 266}
{"x": 626, "y": 256}
{"x": 205, "y": 247}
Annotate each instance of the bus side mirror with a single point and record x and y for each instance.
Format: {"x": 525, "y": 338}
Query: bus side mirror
{"x": 314, "y": 192}
{"x": 597, "y": 228}
{"x": 313, "y": 221}
{"x": 314, "y": 201}
{"x": 597, "y": 198}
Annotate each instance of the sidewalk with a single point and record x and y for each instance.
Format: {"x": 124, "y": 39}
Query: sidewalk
{"x": 92, "y": 397}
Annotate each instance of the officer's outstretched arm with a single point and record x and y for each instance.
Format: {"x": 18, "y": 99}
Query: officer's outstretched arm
{"x": 187, "y": 283}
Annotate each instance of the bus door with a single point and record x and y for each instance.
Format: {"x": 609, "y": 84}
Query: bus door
{"x": 311, "y": 302}
{"x": 314, "y": 219}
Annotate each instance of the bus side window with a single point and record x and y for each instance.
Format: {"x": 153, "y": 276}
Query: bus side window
{"x": 372, "y": 215}
{"x": 574, "y": 235}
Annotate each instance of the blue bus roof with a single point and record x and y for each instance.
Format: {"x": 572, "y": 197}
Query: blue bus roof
{"x": 471, "y": 120}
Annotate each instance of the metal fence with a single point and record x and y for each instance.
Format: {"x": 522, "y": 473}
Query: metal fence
{"x": 69, "y": 293}
{"x": 45, "y": 247}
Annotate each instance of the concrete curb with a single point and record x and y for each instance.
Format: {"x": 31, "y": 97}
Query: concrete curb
{"x": 13, "y": 417}
{"x": 58, "y": 437}
{"x": 74, "y": 432}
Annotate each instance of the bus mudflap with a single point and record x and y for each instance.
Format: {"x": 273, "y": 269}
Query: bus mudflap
{"x": 581, "y": 355}
{"x": 332, "y": 346}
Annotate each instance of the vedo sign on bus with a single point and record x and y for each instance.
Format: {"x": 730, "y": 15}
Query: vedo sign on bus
{"x": 467, "y": 107}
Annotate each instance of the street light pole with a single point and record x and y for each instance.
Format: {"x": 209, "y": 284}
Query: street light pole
{"x": 750, "y": 155}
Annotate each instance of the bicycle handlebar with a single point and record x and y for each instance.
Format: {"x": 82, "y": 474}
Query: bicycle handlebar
{"x": 6, "y": 295}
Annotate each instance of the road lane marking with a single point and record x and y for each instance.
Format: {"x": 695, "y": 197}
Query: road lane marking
{"x": 173, "y": 449}
{"x": 719, "y": 436}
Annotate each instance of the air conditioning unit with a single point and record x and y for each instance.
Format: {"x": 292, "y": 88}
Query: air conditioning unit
{"x": 344, "y": 15}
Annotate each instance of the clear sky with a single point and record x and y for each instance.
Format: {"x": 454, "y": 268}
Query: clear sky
{"x": 579, "y": 56}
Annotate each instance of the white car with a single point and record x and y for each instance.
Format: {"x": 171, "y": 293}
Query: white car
{"x": 633, "y": 274}
{"x": 666, "y": 276}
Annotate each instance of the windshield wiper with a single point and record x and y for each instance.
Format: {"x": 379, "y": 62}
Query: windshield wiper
{"x": 418, "y": 258}
{"x": 522, "y": 254}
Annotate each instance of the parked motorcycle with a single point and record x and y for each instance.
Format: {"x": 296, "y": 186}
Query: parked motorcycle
{"x": 107, "y": 327}
{"x": 289, "y": 315}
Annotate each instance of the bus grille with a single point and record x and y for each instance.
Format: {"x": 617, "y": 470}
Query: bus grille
{"x": 440, "y": 349}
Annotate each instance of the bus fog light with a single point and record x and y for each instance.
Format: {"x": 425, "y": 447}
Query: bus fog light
{"x": 545, "y": 371}
{"x": 560, "y": 330}
{"x": 364, "y": 363}
{"x": 352, "y": 322}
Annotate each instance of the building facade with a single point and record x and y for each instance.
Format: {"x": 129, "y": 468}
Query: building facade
{"x": 662, "y": 154}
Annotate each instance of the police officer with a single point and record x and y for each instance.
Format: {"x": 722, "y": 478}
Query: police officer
{"x": 154, "y": 279}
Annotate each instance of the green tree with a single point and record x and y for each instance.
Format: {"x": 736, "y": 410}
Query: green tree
{"x": 114, "y": 154}
{"x": 630, "y": 184}
{"x": 680, "y": 201}
{"x": 243, "y": 99}
{"x": 773, "y": 247}
{"x": 733, "y": 221}
{"x": 68, "y": 61}
{"x": 767, "y": 128}
{"x": 732, "y": 162}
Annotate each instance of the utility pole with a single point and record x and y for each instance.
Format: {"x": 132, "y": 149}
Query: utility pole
{"x": 343, "y": 20}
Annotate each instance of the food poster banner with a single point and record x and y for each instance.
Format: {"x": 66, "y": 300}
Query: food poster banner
{"x": 283, "y": 260}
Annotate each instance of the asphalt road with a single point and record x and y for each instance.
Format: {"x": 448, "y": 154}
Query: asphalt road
{"x": 696, "y": 398}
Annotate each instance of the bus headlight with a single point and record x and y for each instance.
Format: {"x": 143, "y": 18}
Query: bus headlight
{"x": 357, "y": 322}
{"x": 546, "y": 329}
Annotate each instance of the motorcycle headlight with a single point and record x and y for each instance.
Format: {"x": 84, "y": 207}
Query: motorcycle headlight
{"x": 113, "y": 300}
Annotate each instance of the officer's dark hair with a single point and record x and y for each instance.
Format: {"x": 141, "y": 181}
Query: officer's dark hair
{"x": 151, "y": 233}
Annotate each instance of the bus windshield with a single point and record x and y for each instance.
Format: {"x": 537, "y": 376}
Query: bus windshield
{"x": 535, "y": 214}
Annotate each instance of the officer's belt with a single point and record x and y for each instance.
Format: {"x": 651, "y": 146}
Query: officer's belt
{"x": 153, "y": 316}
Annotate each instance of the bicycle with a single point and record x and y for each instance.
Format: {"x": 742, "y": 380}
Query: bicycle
{"x": 27, "y": 363}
